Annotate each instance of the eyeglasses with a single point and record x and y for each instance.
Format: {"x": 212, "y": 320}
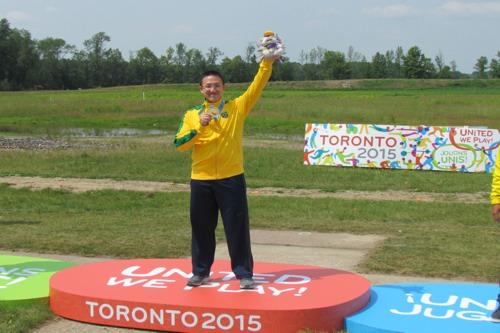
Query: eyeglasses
{"x": 213, "y": 86}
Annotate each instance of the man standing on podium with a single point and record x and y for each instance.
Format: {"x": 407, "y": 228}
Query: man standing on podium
{"x": 495, "y": 212}
{"x": 214, "y": 132}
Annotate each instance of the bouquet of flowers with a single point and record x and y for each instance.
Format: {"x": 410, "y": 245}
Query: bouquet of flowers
{"x": 271, "y": 46}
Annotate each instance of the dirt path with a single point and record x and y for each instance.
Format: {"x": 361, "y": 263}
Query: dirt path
{"x": 31, "y": 143}
{"x": 84, "y": 185}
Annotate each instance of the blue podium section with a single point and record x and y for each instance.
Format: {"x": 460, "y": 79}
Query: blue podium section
{"x": 429, "y": 308}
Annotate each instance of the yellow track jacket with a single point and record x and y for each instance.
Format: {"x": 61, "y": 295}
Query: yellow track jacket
{"x": 217, "y": 148}
{"x": 495, "y": 184}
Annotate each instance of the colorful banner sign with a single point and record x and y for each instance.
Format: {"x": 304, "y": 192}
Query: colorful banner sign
{"x": 23, "y": 278}
{"x": 429, "y": 308}
{"x": 462, "y": 149}
{"x": 152, "y": 294}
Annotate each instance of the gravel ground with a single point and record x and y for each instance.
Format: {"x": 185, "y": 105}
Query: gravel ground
{"x": 29, "y": 143}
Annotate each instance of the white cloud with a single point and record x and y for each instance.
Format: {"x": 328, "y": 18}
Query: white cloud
{"x": 18, "y": 16}
{"x": 391, "y": 11}
{"x": 469, "y": 8}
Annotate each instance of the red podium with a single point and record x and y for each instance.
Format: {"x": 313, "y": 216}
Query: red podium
{"x": 152, "y": 294}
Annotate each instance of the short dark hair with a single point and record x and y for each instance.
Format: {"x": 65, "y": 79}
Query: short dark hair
{"x": 211, "y": 73}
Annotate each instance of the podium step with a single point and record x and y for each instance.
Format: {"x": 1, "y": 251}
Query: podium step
{"x": 151, "y": 294}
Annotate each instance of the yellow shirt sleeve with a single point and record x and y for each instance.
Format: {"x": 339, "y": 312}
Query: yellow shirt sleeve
{"x": 250, "y": 97}
{"x": 189, "y": 129}
{"x": 495, "y": 184}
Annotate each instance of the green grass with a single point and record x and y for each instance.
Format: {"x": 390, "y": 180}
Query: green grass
{"x": 425, "y": 239}
{"x": 428, "y": 239}
{"x": 23, "y": 316}
{"x": 138, "y": 224}
{"x": 135, "y": 159}
{"x": 284, "y": 108}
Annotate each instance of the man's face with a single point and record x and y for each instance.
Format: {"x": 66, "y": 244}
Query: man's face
{"x": 212, "y": 88}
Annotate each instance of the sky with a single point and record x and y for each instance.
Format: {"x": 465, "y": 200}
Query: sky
{"x": 461, "y": 31}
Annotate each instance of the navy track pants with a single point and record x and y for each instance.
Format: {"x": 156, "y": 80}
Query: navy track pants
{"x": 228, "y": 196}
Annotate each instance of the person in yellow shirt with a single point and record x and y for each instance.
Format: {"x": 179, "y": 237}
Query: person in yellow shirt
{"x": 495, "y": 212}
{"x": 495, "y": 191}
{"x": 214, "y": 133}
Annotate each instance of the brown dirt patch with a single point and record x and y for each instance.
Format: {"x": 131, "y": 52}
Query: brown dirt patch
{"x": 85, "y": 185}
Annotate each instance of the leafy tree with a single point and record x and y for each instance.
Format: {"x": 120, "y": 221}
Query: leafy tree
{"x": 104, "y": 66}
{"x": 252, "y": 64}
{"x": 379, "y": 66}
{"x": 18, "y": 58}
{"x": 311, "y": 72}
{"x": 51, "y": 63}
{"x": 495, "y": 67}
{"x": 172, "y": 72}
{"x": 360, "y": 69}
{"x": 51, "y": 69}
{"x": 398, "y": 68}
{"x": 6, "y": 54}
{"x": 354, "y": 56}
{"x": 439, "y": 60}
{"x": 234, "y": 70}
{"x": 213, "y": 56}
{"x": 390, "y": 57}
{"x": 96, "y": 53}
{"x": 454, "y": 73}
{"x": 144, "y": 68}
{"x": 168, "y": 58}
{"x": 334, "y": 66}
{"x": 303, "y": 57}
{"x": 443, "y": 71}
{"x": 180, "y": 54}
{"x": 115, "y": 69}
{"x": 75, "y": 71}
{"x": 21, "y": 74}
{"x": 250, "y": 56}
{"x": 316, "y": 55}
{"x": 480, "y": 67}
{"x": 416, "y": 65}
{"x": 195, "y": 65}
{"x": 53, "y": 48}
{"x": 286, "y": 71}
{"x": 181, "y": 71}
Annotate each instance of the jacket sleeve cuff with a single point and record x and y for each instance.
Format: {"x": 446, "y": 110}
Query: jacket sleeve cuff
{"x": 201, "y": 129}
{"x": 267, "y": 63}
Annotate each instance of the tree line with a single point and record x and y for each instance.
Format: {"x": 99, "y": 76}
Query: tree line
{"x": 51, "y": 63}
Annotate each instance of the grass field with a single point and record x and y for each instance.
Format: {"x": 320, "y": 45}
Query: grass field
{"x": 449, "y": 240}
{"x": 283, "y": 110}
{"x": 156, "y": 159}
